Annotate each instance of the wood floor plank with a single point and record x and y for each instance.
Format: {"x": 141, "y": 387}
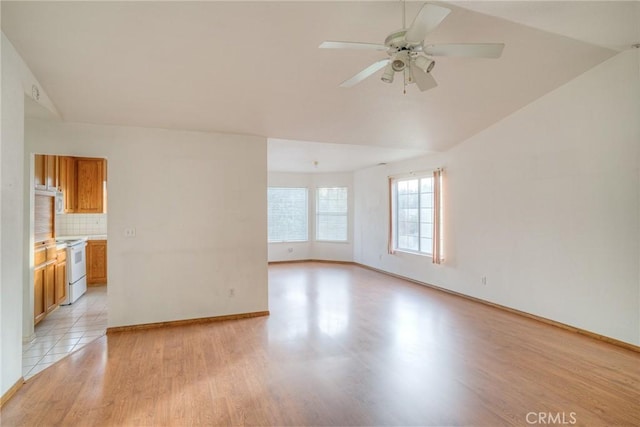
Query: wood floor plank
{"x": 343, "y": 346}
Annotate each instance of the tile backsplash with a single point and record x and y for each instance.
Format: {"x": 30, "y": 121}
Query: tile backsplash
{"x": 81, "y": 224}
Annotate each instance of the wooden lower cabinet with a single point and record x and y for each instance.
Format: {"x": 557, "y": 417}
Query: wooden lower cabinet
{"x": 44, "y": 291}
{"x": 49, "y": 280}
{"x": 39, "y": 308}
{"x": 96, "y": 262}
{"x": 60, "y": 292}
{"x": 49, "y": 287}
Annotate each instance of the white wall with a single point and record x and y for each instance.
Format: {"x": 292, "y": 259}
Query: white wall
{"x": 197, "y": 202}
{"x": 11, "y": 220}
{"x": 17, "y": 81}
{"x": 312, "y": 249}
{"x": 545, "y": 204}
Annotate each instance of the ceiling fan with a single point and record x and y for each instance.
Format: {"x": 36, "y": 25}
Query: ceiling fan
{"x": 409, "y": 54}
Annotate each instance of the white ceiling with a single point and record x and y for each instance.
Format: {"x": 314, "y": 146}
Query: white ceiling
{"x": 254, "y": 68}
{"x": 323, "y": 157}
{"x": 611, "y": 24}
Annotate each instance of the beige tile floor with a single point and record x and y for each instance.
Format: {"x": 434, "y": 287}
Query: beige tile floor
{"x": 66, "y": 330}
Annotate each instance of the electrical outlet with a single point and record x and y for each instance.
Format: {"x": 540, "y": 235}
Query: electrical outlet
{"x": 484, "y": 280}
{"x": 232, "y": 292}
{"x": 290, "y": 250}
{"x": 129, "y": 232}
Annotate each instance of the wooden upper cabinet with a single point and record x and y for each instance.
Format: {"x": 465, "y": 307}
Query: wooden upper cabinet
{"x": 90, "y": 174}
{"x": 40, "y": 172}
{"x": 67, "y": 182}
{"x": 46, "y": 172}
{"x": 81, "y": 179}
{"x": 51, "y": 173}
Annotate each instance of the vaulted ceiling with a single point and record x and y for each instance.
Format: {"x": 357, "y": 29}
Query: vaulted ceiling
{"x": 255, "y": 67}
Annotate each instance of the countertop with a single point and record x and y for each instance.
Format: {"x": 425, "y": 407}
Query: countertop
{"x": 88, "y": 237}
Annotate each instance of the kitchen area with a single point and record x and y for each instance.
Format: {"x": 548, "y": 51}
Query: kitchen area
{"x": 70, "y": 257}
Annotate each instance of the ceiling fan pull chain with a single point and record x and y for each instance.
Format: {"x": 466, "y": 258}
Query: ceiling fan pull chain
{"x": 404, "y": 83}
{"x": 404, "y": 15}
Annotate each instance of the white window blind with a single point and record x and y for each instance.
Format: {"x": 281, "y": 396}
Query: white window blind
{"x": 287, "y": 214}
{"x": 332, "y": 214}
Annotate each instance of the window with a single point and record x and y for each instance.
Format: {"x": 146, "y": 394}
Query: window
{"x": 331, "y": 214}
{"x": 415, "y": 208}
{"x": 287, "y": 214}
{"x": 414, "y": 215}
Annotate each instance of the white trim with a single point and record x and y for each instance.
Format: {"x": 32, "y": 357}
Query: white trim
{"x": 412, "y": 174}
{"x": 394, "y": 213}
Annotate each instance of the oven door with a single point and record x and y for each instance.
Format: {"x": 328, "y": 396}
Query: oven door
{"x": 77, "y": 261}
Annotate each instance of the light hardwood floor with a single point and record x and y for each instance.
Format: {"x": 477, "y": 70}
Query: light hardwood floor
{"x": 343, "y": 346}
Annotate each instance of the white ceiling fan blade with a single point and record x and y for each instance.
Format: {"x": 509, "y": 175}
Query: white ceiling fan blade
{"x": 472, "y": 50}
{"x": 429, "y": 17}
{"x": 352, "y": 45}
{"x": 364, "y": 73}
{"x": 424, "y": 81}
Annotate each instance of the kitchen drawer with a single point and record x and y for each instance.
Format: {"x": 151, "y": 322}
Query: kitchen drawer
{"x": 40, "y": 256}
{"x": 62, "y": 255}
{"x": 52, "y": 252}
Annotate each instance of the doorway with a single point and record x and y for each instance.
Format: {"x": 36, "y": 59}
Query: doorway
{"x": 62, "y": 312}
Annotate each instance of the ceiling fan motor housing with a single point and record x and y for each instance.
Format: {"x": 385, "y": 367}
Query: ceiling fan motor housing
{"x": 403, "y": 53}
{"x": 396, "y": 42}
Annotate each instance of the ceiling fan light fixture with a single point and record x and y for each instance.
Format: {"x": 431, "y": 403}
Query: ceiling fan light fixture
{"x": 424, "y": 63}
{"x": 398, "y": 64}
{"x": 388, "y": 74}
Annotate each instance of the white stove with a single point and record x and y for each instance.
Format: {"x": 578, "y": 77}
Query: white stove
{"x": 76, "y": 269}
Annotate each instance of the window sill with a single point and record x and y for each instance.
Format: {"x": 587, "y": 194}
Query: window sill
{"x": 405, "y": 251}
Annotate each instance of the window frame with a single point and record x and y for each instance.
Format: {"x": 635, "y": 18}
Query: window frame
{"x": 318, "y": 213}
{"x": 395, "y": 214}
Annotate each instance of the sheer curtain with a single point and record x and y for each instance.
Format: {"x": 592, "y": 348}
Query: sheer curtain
{"x": 437, "y": 217}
